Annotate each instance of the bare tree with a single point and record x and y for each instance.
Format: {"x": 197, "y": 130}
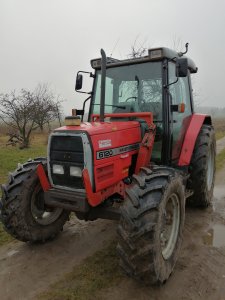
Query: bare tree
{"x": 177, "y": 43}
{"x": 18, "y": 112}
{"x": 148, "y": 91}
{"x": 28, "y": 111}
{"x": 48, "y": 106}
{"x": 138, "y": 49}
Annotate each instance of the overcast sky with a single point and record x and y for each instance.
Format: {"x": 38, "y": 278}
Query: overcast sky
{"x": 50, "y": 40}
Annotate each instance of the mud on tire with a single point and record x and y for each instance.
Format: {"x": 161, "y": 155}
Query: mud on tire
{"x": 202, "y": 168}
{"x": 23, "y": 213}
{"x": 145, "y": 219}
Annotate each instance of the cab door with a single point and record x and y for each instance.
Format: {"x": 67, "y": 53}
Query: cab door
{"x": 180, "y": 93}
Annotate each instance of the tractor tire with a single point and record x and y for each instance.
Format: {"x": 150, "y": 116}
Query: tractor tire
{"x": 23, "y": 212}
{"x": 202, "y": 168}
{"x": 151, "y": 225}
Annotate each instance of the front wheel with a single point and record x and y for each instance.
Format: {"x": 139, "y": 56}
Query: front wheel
{"x": 23, "y": 212}
{"x": 152, "y": 220}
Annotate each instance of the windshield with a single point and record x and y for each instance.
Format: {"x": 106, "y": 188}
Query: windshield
{"x": 131, "y": 88}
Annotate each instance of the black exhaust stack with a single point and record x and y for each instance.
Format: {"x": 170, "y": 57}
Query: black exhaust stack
{"x": 102, "y": 101}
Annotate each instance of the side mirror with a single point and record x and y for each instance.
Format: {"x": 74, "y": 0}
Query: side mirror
{"x": 181, "y": 67}
{"x": 79, "y": 82}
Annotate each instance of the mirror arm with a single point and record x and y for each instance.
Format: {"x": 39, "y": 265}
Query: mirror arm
{"x": 84, "y": 105}
{"x": 88, "y": 93}
{"x": 85, "y": 72}
{"x": 167, "y": 85}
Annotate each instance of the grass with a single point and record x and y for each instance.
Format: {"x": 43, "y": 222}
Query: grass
{"x": 88, "y": 279}
{"x": 220, "y": 134}
{"x": 220, "y": 160}
{"x": 11, "y": 156}
{"x": 5, "y": 238}
{"x": 219, "y": 125}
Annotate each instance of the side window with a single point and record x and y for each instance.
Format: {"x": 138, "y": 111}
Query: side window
{"x": 108, "y": 95}
{"x": 180, "y": 91}
{"x": 152, "y": 97}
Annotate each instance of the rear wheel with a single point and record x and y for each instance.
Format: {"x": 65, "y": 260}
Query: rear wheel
{"x": 150, "y": 230}
{"x": 202, "y": 168}
{"x": 23, "y": 212}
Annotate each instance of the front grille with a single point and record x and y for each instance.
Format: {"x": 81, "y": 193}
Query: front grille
{"x": 67, "y": 151}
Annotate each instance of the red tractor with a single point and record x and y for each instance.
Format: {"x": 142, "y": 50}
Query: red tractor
{"x": 142, "y": 154}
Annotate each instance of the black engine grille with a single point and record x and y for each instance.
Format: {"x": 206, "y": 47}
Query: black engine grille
{"x": 67, "y": 151}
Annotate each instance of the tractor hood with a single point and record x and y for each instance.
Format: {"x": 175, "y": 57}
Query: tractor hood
{"x": 96, "y": 128}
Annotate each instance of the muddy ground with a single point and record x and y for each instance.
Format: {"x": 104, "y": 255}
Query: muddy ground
{"x": 200, "y": 270}
{"x": 26, "y": 270}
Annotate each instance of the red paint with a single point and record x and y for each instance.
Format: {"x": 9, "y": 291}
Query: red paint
{"x": 117, "y": 165}
{"x": 179, "y": 143}
{"x": 147, "y": 116}
{"x": 95, "y": 128}
{"x": 113, "y": 171}
{"x": 93, "y": 198}
{"x": 190, "y": 138}
{"x": 43, "y": 178}
{"x": 110, "y": 171}
{"x": 145, "y": 151}
{"x": 97, "y": 198}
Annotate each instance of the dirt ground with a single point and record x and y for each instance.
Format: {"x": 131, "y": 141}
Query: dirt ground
{"x": 200, "y": 270}
{"x": 26, "y": 270}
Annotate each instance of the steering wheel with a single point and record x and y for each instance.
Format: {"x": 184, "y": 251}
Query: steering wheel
{"x": 130, "y": 98}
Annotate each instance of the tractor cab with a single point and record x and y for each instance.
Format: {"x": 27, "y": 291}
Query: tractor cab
{"x": 158, "y": 83}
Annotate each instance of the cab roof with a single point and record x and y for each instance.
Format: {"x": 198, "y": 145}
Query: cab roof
{"x": 154, "y": 54}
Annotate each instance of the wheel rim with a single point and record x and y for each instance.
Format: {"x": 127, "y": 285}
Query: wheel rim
{"x": 210, "y": 168}
{"x": 171, "y": 224}
{"x": 43, "y": 215}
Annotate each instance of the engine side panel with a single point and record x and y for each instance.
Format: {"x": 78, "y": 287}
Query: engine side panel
{"x": 112, "y": 154}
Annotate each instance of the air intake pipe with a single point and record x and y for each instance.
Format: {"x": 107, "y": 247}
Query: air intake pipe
{"x": 102, "y": 101}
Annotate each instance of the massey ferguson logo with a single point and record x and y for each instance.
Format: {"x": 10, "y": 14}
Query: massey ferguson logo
{"x": 115, "y": 151}
{"x": 104, "y": 154}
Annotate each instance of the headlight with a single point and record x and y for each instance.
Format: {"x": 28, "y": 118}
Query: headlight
{"x": 75, "y": 171}
{"x": 57, "y": 169}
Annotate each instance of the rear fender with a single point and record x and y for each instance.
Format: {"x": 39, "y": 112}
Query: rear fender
{"x": 191, "y": 135}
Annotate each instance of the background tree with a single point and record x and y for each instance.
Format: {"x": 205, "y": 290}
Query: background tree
{"x": 138, "y": 49}
{"x": 48, "y": 106}
{"x": 149, "y": 90}
{"x": 18, "y": 112}
{"x": 28, "y": 111}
